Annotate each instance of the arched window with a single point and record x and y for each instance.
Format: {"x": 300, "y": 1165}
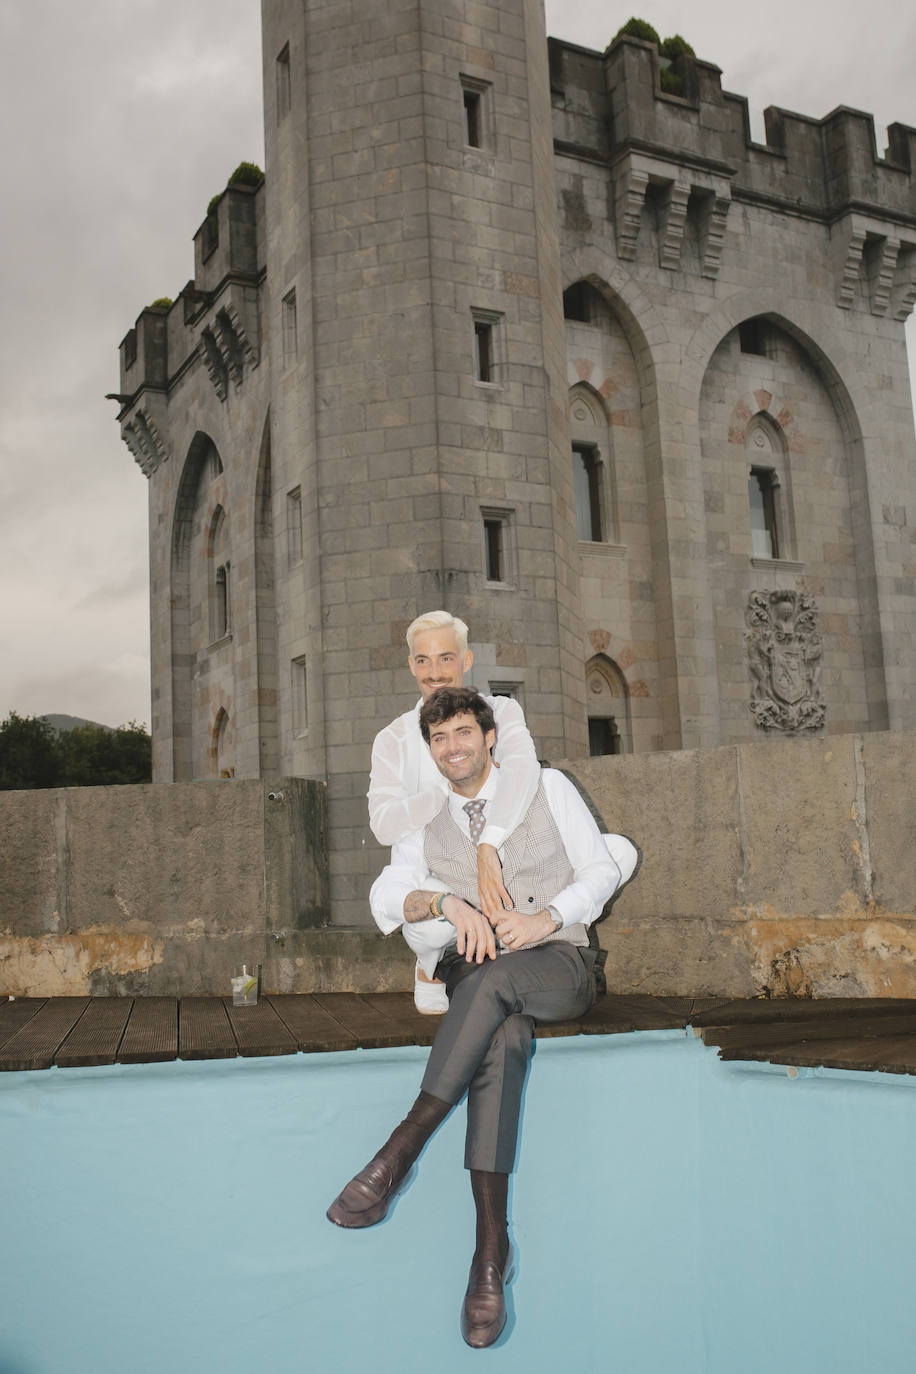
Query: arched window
{"x": 608, "y": 706}
{"x": 222, "y": 749}
{"x": 219, "y": 569}
{"x": 769, "y": 490}
{"x": 593, "y": 478}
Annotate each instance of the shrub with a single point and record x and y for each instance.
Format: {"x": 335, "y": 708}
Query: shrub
{"x": 163, "y": 301}
{"x": 246, "y": 174}
{"x": 675, "y": 47}
{"x": 638, "y": 28}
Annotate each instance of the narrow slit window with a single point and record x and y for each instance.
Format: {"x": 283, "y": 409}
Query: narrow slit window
{"x": 495, "y": 550}
{"x": 762, "y": 487}
{"x": 472, "y": 118}
{"x": 290, "y": 328}
{"x": 284, "y": 89}
{"x": 483, "y": 339}
{"x": 586, "y": 482}
{"x": 299, "y": 686}
{"x": 294, "y": 526}
{"x": 575, "y": 303}
{"x": 752, "y": 337}
{"x": 223, "y": 607}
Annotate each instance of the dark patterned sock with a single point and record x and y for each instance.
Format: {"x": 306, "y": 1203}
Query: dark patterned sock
{"x": 407, "y": 1140}
{"x": 491, "y": 1193}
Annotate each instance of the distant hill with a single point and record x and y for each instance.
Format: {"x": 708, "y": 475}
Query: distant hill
{"x": 64, "y": 723}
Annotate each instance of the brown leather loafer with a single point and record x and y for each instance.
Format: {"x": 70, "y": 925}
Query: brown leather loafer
{"x": 483, "y": 1314}
{"x": 366, "y": 1198}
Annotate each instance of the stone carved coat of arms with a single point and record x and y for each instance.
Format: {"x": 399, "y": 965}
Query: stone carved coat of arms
{"x": 785, "y": 651}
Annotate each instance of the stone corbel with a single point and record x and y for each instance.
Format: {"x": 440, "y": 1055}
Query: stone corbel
{"x": 714, "y": 208}
{"x": 672, "y": 222}
{"x": 903, "y": 293}
{"x": 849, "y": 244}
{"x": 217, "y": 366}
{"x": 883, "y": 263}
{"x": 229, "y": 347}
{"x": 630, "y": 186}
{"x": 145, "y": 432}
{"x": 241, "y": 309}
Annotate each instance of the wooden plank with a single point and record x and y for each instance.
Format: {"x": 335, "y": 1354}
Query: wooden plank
{"x": 258, "y": 1030}
{"x": 151, "y": 1036}
{"x": 556, "y": 1030}
{"x": 313, "y": 1028}
{"x": 372, "y": 1029}
{"x": 15, "y": 1014}
{"x": 895, "y": 1054}
{"x": 35, "y": 1044}
{"x": 819, "y": 1028}
{"x": 204, "y": 1031}
{"x": 97, "y": 1035}
{"x": 399, "y": 1007}
{"x": 616, "y": 1013}
{"x": 758, "y": 1010}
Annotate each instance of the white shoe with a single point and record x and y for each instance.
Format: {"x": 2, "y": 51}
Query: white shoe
{"x": 429, "y": 998}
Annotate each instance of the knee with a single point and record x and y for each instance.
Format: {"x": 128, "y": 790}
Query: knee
{"x": 516, "y": 1032}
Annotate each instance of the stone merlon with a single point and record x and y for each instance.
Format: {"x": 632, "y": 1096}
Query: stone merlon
{"x": 607, "y": 105}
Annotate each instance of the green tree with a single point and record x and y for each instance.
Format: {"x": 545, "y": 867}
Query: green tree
{"x": 29, "y": 753}
{"x": 94, "y": 756}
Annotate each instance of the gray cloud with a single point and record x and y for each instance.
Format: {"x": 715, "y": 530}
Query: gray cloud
{"x": 122, "y": 120}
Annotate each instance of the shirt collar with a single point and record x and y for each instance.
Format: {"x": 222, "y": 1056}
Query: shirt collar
{"x": 487, "y": 793}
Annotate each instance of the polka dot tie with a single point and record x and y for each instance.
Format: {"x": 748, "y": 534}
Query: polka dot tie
{"x": 475, "y": 817}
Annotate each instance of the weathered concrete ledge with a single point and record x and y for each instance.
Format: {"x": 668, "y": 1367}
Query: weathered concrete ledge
{"x": 785, "y": 868}
{"x": 159, "y": 889}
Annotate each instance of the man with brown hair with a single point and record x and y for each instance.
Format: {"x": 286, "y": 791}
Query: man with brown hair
{"x": 406, "y": 790}
{"x": 529, "y": 963}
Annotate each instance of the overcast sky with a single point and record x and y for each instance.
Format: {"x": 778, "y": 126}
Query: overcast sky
{"x": 123, "y": 118}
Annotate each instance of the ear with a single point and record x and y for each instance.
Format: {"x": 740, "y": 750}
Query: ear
{"x": 467, "y": 661}
{"x": 410, "y": 664}
{"x": 490, "y": 739}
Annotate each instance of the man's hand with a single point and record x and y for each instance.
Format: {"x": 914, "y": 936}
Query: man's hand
{"x": 491, "y": 889}
{"x": 516, "y": 928}
{"x": 475, "y": 934}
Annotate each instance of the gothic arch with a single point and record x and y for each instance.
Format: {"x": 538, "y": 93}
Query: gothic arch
{"x": 637, "y": 315}
{"x": 775, "y": 419}
{"x": 607, "y": 698}
{"x": 265, "y": 609}
{"x": 222, "y": 745}
{"x": 203, "y": 465}
{"x": 837, "y": 372}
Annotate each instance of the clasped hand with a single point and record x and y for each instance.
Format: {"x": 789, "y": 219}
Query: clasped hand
{"x": 476, "y": 935}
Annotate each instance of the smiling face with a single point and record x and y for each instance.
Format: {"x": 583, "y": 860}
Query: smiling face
{"x": 437, "y": 661}
{"x": 461, "y": 752}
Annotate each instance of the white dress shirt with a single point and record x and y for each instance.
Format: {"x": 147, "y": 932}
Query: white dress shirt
{"x": 595, "y": 874}
{"x": 406, "y": 788}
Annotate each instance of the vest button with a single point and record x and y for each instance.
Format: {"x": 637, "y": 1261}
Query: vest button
{"x": 531, "y": 899}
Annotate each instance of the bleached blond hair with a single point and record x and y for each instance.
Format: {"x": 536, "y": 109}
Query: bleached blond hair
{"x": 438, "y": 620}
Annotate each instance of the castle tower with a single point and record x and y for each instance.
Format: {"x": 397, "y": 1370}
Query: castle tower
{"x": 510, "y": 329}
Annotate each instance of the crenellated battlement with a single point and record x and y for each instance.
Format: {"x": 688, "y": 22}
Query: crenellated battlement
{"x": 214, "y": 318}
{"x": 606, "y": 105}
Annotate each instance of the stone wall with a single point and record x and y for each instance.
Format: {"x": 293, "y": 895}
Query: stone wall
{"x": 779, "y": 869}
{"x": 159, "y": 889}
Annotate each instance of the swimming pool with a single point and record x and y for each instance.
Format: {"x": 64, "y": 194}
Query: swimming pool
{"x": 706, "y": 1218}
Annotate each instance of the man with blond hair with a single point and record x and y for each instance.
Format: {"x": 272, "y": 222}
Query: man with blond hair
{"x": 406, "y": 790}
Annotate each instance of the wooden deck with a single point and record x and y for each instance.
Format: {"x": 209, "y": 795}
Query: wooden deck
{"x": 72, "y": 1032}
